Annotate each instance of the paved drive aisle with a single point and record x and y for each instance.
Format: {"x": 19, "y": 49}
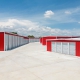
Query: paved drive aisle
{"x": 33, "y": 62}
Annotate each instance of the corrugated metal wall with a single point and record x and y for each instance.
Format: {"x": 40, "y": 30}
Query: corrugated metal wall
{"x": 64, "y": 47}
{"x": 34, "y": 40}
{"x": 10, "y": 41}
{"x": 13, "y": 41}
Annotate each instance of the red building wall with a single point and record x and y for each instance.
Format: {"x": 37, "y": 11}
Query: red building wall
{"x": 77, "y": 48}
{"x": 44, "y": 41}
{"x": 49, "y": 46}
{"x": 56, "y": 37}
{"x": 77, "y": 45}
{"x": 1, "y": 41}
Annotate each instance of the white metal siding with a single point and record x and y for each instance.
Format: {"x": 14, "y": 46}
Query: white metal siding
{"x": 58, "y": 47}
{"x": 27, "y": 40}
{"x": 53, "y": 47}
{"x": 13, "y": 41}
{"x": 6, "y": 42}
{"x": 72, "y": 48}
{"x": 65, "y": 48}
{"x": 22, "y": 41}
{"x": 10, "y": 41}
{"x": 33, "y": 40}
{"x": 18, "y": 40}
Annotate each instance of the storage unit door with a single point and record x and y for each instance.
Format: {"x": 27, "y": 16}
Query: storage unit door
{"x": 13, "y": 41}
{"x": 30, "y": 40}
{"x": 53, "y": 47}
{"x": 65, "y": 48}
{"x": 10, "y": 41}
{"x": 27, "y": 40}
{"x": 6, "y": 42}
{"x": 24, "y": 41}
{"x": 21, "y": 40}
{"x": 18, "y": 40}
{"x": 58, "y": 47}
{"x": 72, "y": 49}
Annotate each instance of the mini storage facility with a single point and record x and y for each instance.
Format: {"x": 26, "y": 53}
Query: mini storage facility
{"x": 65, "y": 46}
{"x": 9, "y": 41}
{"x": 43, "y": 40}
{"x": 34, "y": 40}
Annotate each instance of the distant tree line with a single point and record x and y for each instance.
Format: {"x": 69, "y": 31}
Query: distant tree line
{"x": 14, "y": 32}
{"x": 30, "y": 36}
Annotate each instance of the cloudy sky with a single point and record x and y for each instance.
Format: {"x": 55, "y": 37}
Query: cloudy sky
{"x": 40, "y": 17}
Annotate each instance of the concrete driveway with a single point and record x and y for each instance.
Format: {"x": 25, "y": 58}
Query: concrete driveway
{"x": 33, "y": 62}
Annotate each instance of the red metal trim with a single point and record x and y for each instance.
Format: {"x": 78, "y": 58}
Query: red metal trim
{"x": 16, "y": 35}
{"x": 77, "y": 48}
{"x": 1, "y": 41}
{"x": 64, "y": 40}
{"x": 49, "y": 46}
{"x": 45, "y": 39}
{"x": 56, "y": 37}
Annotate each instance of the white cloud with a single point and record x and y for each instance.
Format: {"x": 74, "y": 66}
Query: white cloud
{"x": 26, "y": 27}
{"x": 64, "y": 16}
{"x": 61, "y": 16}
{"x": 79, "y": 22}
{"x": 48, "y": 14}
{"x": 67, "y": 12}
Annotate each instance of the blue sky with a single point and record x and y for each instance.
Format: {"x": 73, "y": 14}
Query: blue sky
{"x": 61, "y": 15}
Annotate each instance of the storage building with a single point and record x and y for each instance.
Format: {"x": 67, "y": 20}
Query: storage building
{"x": 65, "y": 46}
{"x": 34, "y": 40}
{"x": 9, "y": 41}
{"x": 44, "y": 39}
